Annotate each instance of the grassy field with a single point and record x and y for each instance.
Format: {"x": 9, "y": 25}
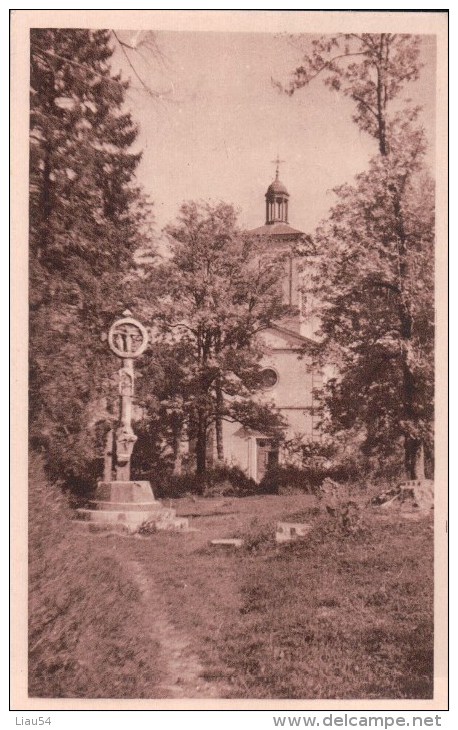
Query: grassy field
{"x": 333, "y": 617}
{"x": 337, "y": 616}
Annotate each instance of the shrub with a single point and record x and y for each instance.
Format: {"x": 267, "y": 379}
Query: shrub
{"x": 225, "y": 480}
{"x": 328, "y": 458}
{"x": 177, "y": 485}
{"x": 257, "y": 536}
{"x": 289, "y": 478}
{"x": 220, "y": 481}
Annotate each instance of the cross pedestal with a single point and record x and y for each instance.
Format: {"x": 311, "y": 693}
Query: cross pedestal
{"x": 124, "y": 506}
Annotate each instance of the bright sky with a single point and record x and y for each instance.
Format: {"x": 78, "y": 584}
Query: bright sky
{"x": 221, "y": 123}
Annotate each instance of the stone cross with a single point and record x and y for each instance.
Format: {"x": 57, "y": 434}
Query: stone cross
{"x": 128, "y": 339}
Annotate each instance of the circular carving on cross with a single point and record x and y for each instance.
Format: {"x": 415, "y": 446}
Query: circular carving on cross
{"x": 127, "y": 337}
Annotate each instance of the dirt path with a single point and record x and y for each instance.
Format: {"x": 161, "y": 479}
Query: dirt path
{"x": 183, "y": 678}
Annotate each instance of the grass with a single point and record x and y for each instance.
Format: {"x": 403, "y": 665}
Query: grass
{"x": 337, "y": 616}
{"x": 334, "y": 617}
{"x": 86, "y": 624}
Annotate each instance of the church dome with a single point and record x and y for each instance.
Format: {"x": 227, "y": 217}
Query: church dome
{"x": 276, "y": 188}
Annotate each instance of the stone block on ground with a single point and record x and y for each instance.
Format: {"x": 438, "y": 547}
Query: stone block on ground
{"x": 420, "y": 492}
{"x": 227, "y": 542}
{"x": 102, "y": 528}
{"x": 290, "y": 531}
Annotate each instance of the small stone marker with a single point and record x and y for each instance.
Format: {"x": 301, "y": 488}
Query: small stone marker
{"x": 231, "y": 542}
{"x": 290, "y": 531}
{"x": 420, "y": 491}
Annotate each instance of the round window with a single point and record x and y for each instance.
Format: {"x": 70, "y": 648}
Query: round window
{"x": 269, "y": 378}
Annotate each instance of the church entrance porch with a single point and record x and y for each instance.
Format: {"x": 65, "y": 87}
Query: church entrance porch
{"x": 266, "y": 457}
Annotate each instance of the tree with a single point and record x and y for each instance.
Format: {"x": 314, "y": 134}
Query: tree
{"x": 374, "y": 277}
{"x": 375, "y": 280}
{"x": 372, "y": 69}
{"x": 87, "y": 219}
{"x": 219, "y": 290}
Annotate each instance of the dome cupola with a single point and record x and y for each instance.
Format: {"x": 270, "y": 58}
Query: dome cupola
{"x": 276, "y": 200}
{"x": 276, "y": 188}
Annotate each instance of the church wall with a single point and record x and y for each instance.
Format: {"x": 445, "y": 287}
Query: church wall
{"x": 237, "y": 448}
{"x": 293, "y": 392}
{"x": 300, "y": 422}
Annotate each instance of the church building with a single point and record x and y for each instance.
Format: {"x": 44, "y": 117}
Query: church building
{"x": 289, "y": 380}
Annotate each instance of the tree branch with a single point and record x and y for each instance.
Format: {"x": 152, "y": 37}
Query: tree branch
{"x": 365, "y": 104}
{"x": 51, "y": 54}
{"x": 332, "y": 60}
{"x": 123, "y": 46}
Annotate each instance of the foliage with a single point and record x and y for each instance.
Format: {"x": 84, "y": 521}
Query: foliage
{"x": 217, "y": 293}
{"x": 328, "y": 457}
{"x": 86, "y": 624}
{"x": 376, "y": 284}
{"x": 370, "y": 68}
{"x": 257, "y": 538}
{"x": 221, "y": 480}
{"x": 225, "y": 480}
{"x": 346, "y": 512}
{"x": 87, "y": 219}
{"x": 374, "y": 275}
{"x": 283, "y": 479}
{"x": 307, "y": 479}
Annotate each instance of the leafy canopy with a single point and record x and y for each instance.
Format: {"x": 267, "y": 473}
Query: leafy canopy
{"x": 217, "y": 291}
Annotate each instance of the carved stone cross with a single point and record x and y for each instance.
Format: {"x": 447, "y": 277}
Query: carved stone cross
{"x": 127, "y": 339}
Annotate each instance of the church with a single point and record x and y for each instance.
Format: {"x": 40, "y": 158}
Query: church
{"x": 288, "y": 377}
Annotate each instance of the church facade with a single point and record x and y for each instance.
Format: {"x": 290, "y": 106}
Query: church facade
{"x": 289, "y": 380}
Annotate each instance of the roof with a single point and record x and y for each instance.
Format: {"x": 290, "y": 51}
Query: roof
{"x": 290, "y": 333}
{"x": 276, "y": 229}
{"x": 245, "y": 433}
{"x": 277, "y": 187}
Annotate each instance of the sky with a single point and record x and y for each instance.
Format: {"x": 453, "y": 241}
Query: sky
{"x": 221, "y": 122}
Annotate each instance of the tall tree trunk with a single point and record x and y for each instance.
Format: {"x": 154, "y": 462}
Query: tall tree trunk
{"x": 210, "y": 446}
{"x": 177, "y": 450}
{"x": 201, "y": 438}
{"x": 420, "y": 462}
{"x": 219, "y": 422}
{"x": 201, "y": 445}
{"x": 414, "y": 458}
{"x": 413, "y": 447}
{"x": 381, "y": 102}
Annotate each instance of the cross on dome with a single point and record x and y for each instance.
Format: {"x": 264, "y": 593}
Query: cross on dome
{"x": 277, "y": 163}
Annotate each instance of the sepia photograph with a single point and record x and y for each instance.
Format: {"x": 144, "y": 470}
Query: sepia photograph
{"x": 232, "y": 246}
